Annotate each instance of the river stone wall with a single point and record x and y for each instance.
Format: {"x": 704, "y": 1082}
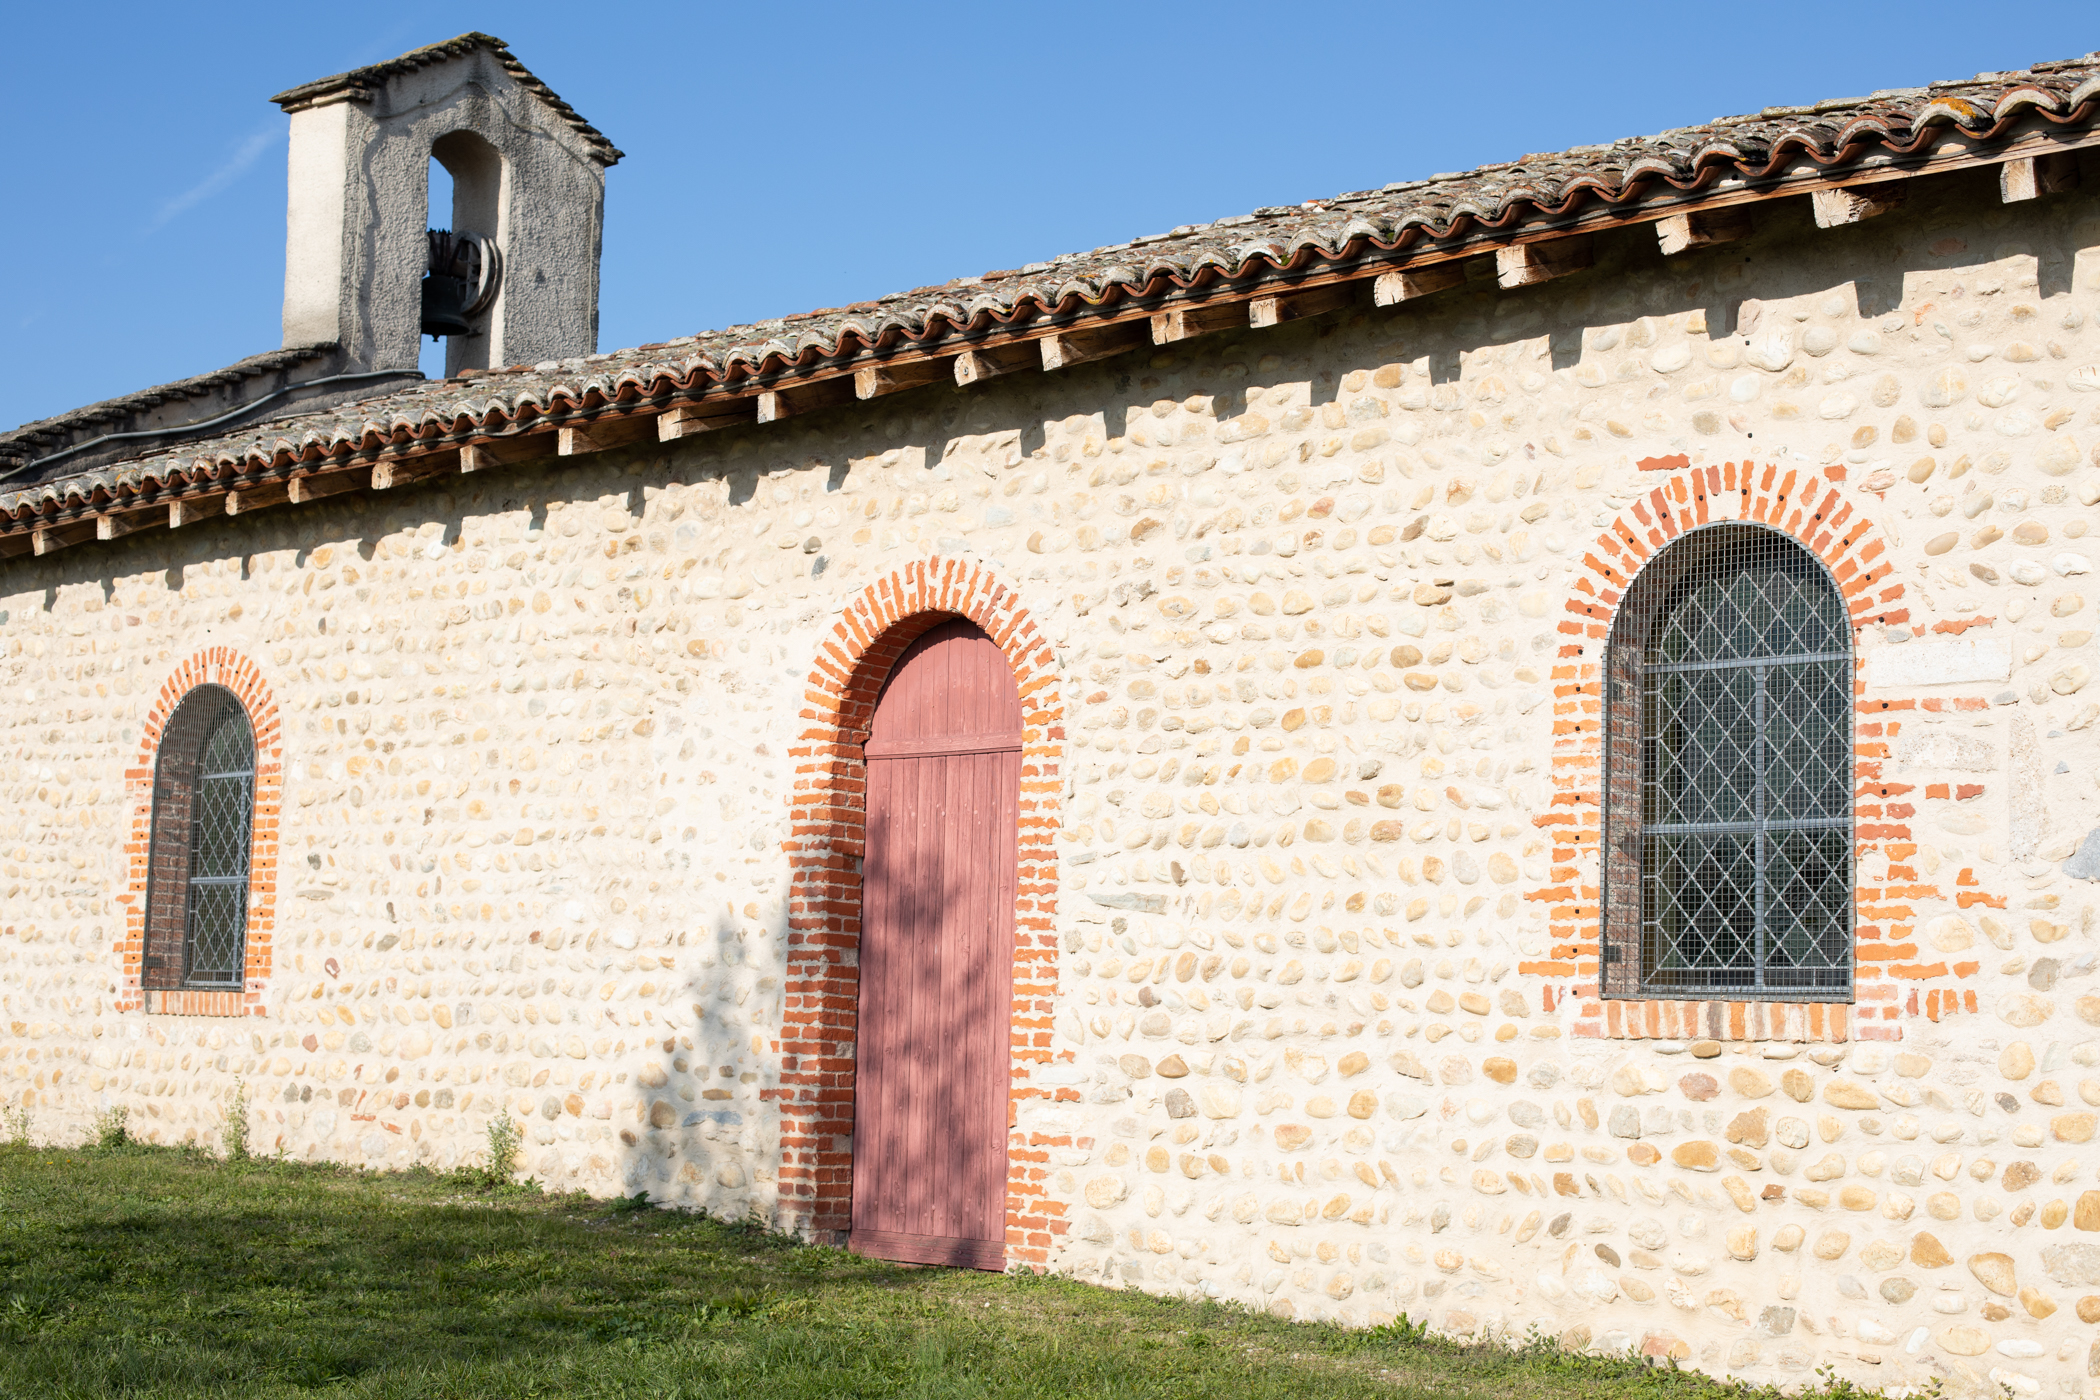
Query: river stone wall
{"x": 1326, "y": 603}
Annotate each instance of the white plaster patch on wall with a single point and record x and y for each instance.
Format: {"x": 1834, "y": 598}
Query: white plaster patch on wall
{"x": 1943, "y": 749}
{"x": 1957, "y": 662}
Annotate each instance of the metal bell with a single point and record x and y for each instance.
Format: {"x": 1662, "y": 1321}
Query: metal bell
{"x": 448, "y": 286}
{"x": 444, "y": 305}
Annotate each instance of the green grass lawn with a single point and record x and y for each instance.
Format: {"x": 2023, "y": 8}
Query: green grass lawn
{"x": 150, "y": 1271}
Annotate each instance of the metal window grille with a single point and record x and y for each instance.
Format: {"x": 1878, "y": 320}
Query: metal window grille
{"x": 1745, "y": 765}
{"x": 222, "y": 811}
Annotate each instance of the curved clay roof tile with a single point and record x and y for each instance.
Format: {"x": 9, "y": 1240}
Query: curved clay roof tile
{"x": 1316, "y": 239}
{"x": 1543, "y": 192}
{"x": 1611, "y": 189}
{"x": 1267, "y": 248}
{"x": 1540, "y": 186}
{"x": 1959, "y": 111}
{"x": 2026, "y": 96}
{"x": 1870, "y": 126}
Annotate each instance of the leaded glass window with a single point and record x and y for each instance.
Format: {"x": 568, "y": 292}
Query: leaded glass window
{"x": 1729, "y": 765}
{"x": 222, "y": 811}
{"x": 196, "y": 925}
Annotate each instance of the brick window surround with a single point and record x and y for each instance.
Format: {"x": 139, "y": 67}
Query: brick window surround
{"x": 1814, "y": 511}
{"x": 158, "y": 786}
{"x": 825, "y": 848}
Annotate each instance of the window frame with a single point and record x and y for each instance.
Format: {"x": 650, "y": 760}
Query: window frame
{"x": 171, "y": 881}
{"x": 1624, "y": 973}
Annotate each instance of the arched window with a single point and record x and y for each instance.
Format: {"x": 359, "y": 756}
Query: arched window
{"x": 203, "y": 818}
{"x": 1728, "y": 775}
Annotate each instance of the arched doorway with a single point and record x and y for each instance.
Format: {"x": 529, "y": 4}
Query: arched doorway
{"x": 936, "y": 955}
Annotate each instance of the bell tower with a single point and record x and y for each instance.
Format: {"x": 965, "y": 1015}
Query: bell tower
{"x": 515, "y": 278}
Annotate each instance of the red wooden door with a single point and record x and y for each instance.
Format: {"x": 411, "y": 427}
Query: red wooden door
{"x": 936, "y": 955}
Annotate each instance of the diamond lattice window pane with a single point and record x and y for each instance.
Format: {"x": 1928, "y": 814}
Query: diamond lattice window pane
{"x": 1703, "y": 750}
{"x": 1748, "y": 593}
{"x": 1699, "y": 919}
{"x": 218, "y": 928}
{"x": 1746, "y": 767}
{"x": 1808, "y": 740}
{"x": 1807, "y": 879}
{"x": 220, "y": 846}
{"x": 231, "y": 749}
{"x": 222, "y": 813}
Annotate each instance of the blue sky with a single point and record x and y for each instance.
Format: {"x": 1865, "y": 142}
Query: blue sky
{"x": 785, "y": 157}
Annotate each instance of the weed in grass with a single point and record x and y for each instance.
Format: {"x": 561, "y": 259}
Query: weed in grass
{"x": 16, "y": 1118}
{"x": 733, "y": 1308}
{"x": 234, "y": 1135}
{"x": 496, "y": 1175}
{"x": 628, "y": 1205}
{"x": 112, "y": 1128}
{"x": 26, "y": 1315}
{"x": 505, "y": 1138}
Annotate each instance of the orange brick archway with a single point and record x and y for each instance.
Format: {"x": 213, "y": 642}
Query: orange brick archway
{"x": 1824, "y": 519}
{"x": 825, "y": 848}
{"x": 220, "y": 666}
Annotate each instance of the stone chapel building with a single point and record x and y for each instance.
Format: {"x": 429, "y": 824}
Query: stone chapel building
{"x": 1514, "y": 748}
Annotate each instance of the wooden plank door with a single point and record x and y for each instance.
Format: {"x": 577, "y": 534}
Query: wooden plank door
{"x": 936, "y": 955}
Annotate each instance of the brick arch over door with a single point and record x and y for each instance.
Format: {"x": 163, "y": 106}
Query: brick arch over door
{"x": 1889, "y": 981}
{"x": 826, "y": 845}
{"x": 234, "y": 673}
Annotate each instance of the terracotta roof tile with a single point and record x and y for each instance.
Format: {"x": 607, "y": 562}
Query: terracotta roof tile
{"x": 1393, "y": 224}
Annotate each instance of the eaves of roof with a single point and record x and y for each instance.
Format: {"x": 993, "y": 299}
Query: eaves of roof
{"x": 1264, "y": 268}
{"x": 359, "y": 85}
{"x": 19, "y": 446}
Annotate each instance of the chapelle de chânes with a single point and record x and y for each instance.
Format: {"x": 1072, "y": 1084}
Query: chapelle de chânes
{"x": 1514, "y": 749}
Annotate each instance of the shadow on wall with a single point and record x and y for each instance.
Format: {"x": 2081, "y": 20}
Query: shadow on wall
{"x": 693, "y": 1126}
{"x": 1786, "y": 256}
{"x": 294, "y": 587}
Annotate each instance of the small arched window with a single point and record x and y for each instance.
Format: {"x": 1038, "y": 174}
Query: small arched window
{"x": 203, "y": 821}
{"x": 1728, "y": 775}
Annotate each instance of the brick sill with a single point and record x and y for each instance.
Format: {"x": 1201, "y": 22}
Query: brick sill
{"x": 192, "y": 1002}
{"x": 1649, "y": 1019}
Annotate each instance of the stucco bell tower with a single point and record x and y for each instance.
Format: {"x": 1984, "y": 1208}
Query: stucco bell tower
{"x": 528, "y": 181}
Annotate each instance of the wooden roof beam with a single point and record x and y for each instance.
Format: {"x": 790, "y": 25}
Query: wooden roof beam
{"x": 604, "y": 434}
{"x": 1178, "y": 323}
{"x": 1839, "y": 207}
{"x": 869, "y": 381}
{"x": 318, "y": 485}
{"x": 1409, "y": 283}
{"x": 1528, "y": 264}
{"x": 114, "y": 527}
{"x": 787, "y": 400}
{"x": 246, "y": 500}
{"x": 976, "y": 366}
{"x": 1064, "y": 349}
{"x": 2033, "y": 177}
{"x": 1688, "y": 233}
{"x": 501, "y": 452}
{"x": 390, "y": 473}
{"x": 1281, "y": 308}
{"x": 691, "y": 419}
{"x": 46, "y": 538}
{"x": 188, "y": 510}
